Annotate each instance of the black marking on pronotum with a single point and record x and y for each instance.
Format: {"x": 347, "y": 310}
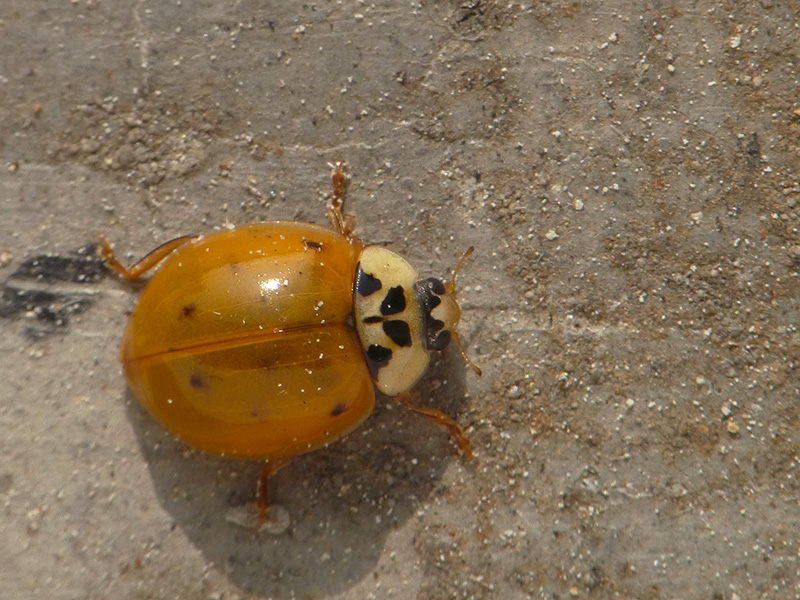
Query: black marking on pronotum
{"x": 371, "y": 320}
{"x": 197, "y": 381}
{"x": 366, "y": 284}
{"x": 394, "y": 302}
{"x": 338, "y": 409}
{"x": 377, "y": 357}
{"x": 398, "y": 332}
{"x": 189, "y": 309}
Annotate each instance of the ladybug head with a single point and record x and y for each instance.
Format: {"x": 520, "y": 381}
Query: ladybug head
{"x": 441, "y": 312}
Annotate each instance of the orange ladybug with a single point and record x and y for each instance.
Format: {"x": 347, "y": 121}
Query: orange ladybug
{"x": 264, "y": 342}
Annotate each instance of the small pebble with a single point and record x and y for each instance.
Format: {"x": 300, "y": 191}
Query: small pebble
{"x": 514, "y": 392}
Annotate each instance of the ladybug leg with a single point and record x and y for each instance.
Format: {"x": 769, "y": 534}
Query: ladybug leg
{"x": 144, "y": 265}
{"x": 341, "y": 222}
{"x": 442, "y": 420}
{"x": 269, "y": 469}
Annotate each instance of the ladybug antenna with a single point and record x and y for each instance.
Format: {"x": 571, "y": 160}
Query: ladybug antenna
{"x": 475, "y": 367}
{"x": 451, "y": 288}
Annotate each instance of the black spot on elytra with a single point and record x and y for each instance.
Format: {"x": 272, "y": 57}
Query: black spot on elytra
{"x": 398, "y": 332}
{"x": 197, "y": 381}
{"x": 189, "y": 310}
{"x": 338, "y": 409}
{"x": 377, "y": 357}
{"x": 366, "y": 284}
{"x": 313, "y": 245}
{"x": 394, "y": 302}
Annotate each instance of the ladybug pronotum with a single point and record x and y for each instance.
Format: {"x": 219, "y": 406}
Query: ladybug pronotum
{"x": 266, "y": 341}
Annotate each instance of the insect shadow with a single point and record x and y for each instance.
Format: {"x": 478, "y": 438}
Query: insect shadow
{"x": 343, "y": 500}
{"x": 43, "y": 293}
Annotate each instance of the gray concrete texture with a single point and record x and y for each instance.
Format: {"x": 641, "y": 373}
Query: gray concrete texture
{"x": 628, "y": 172}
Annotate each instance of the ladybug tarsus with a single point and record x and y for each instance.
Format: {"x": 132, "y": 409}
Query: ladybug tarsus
{"x": 269, "y": 469}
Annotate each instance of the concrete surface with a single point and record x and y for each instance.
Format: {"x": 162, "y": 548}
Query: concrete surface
{"x": 628, "y": 172}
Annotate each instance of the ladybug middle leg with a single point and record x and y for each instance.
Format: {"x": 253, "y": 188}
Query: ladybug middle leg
{"x": 144, "y": 265}
{"x": 442, "y": 420}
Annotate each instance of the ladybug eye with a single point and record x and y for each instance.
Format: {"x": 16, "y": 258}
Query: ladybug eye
{"x": 435, "y": 285}
{"x": 441, "y": 341}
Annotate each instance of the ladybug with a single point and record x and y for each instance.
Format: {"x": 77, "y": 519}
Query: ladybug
{"x": 267, "y": 341}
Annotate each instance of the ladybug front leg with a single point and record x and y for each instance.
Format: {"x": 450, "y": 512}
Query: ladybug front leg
{"x": 269, "y": 469}
{"x": 341, "y": 222}
{"x": 441, "y": 419}
{"x": 144, "y": 265}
